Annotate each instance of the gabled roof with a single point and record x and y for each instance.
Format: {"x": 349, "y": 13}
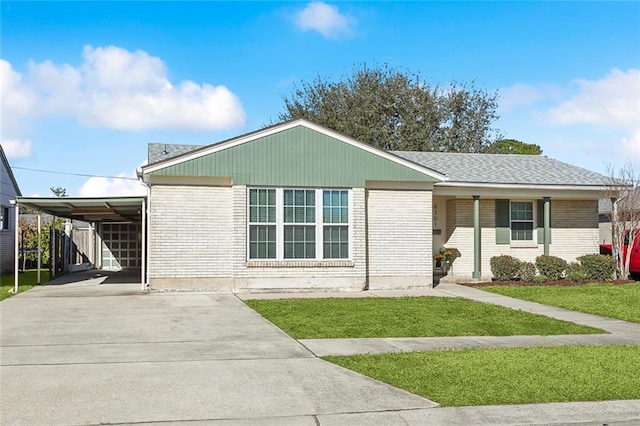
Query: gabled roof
{"x": 163, "y": 151}
{"x": 193, "y": 153}
{"x": 5, "y": 162}
{"x": 504, "y": 169}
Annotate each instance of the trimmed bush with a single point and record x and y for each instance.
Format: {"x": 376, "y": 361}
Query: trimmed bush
{"x": 527, "y": 271}
{"x": 505, "y": 268}
{"x": 598, "y": 267}
{"x": 539, "y": 279}
{"x": 551, "y": 267}
{"x": 576, "y": 272}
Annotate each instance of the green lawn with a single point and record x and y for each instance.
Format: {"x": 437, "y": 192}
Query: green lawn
{"x": 26, "y": 281}
{"x": 613, "y": 301}
{"x": 508, "y": 376}
{"x": 405, "y": 317}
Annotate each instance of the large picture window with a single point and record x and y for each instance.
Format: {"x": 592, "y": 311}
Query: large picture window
{"x": 298, "y": 224}
{"x": 521, "y": 219}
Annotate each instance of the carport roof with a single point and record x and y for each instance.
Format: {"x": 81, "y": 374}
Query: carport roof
{"x": 103, "y": 209}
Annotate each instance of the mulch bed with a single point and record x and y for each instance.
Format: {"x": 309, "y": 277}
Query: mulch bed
{"x": 548, "y": 283}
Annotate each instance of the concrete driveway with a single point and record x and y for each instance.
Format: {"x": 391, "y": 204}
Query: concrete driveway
{"x": 98, "y": 351}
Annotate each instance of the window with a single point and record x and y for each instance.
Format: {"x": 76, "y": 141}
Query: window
{"x": 298, "y": 224}
{"x": 5, "y": 218}
{"x": 521, "y": 220}
{"x": 262, "y": 220}
{"x": 335, "y": 216}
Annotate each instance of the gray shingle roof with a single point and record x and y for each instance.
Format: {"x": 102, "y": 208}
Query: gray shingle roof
{"x": 162, "y": 151}
{"x": 504, "y": 168}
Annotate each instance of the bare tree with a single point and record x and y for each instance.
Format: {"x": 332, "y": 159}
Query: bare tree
{"x": 623, "y": 191}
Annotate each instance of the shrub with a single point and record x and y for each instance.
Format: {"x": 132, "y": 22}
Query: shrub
{"x": 551, "y": 267}
{"x": 576, "y": 272}
{"x": 527, "y": 271}
{"x": 504, "y": 268}
{"x": 539, "y": 279}
{"x": 598, "y": 266}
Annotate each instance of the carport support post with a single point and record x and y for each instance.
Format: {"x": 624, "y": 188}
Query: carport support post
{"x": 39, "y": 249}
{"x": 547, "y": 225}
{"x": 477, "y": 272}
{"x": 143, "y": 258}
{"x": 16, "y": 225}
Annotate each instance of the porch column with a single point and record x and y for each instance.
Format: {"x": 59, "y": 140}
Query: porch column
{"x": 547, "y": 225}
{"x": 477, "y": 269}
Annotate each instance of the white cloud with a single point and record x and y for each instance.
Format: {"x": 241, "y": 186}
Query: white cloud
{"x": 611, "y": 101}
{"x": 325, "y": 19}
{"x": 631, "y": 145}
{"x": 118, "y": 89}
{"x": 519, "y": 94}
{"x": 104, "y": 187}
{"x": 16, "y": 149}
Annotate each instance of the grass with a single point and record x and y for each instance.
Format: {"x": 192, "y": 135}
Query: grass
{"x": 613, "y": 301}
{"x": 26, "y": 280}
{"x": 405, "y": 317}
{"x": 508, "y": 376}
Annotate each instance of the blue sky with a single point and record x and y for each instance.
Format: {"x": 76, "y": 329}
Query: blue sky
{"x": 86, "y": 85}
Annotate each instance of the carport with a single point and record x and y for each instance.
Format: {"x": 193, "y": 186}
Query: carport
{"x": 119, "y": 226}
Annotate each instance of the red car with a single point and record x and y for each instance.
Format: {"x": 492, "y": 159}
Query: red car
{"x": 634, "y": 262}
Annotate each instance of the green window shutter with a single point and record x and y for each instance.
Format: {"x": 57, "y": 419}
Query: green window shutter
{"x": 540, "y": 219}
{"x": 503, "y": 230}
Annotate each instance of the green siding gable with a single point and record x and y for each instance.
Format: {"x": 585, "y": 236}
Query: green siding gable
{"x": 296, "y": 157}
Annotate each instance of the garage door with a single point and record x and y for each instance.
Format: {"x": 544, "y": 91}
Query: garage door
{"x": 121, "y": 246}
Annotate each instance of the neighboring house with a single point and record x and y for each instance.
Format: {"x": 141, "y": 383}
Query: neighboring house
{"x": 297, "y": 206}
{"x": 8, "y": 191}
{"x": 604, "y": 210}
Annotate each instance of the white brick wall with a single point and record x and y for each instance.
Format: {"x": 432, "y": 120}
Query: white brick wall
{"x": 400, "y": 238}
{"x": 199, "y": 240}
{"x": 574, "y": 225}
{"x": 191, "y": 234}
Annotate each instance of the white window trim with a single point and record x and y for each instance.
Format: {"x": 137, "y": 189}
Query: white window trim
{"x": 534, "y": 233}
{"x": 319, "y": 225}
{"x": 9, "y": 223}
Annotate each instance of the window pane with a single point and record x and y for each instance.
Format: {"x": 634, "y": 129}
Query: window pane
{"x": 336, "y": 208}
{"x": 262, "y": 242}
{"x": 262, "y": 205}
{"x": 299, "y": 206}
{"x": 521, "y": 210}
{"x": 336, "y": 242}
{"x": 299, "y": 242}
{"x": 522, "y": 231}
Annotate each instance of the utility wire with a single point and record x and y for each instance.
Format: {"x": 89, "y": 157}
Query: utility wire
{"x": 72, "y": 174}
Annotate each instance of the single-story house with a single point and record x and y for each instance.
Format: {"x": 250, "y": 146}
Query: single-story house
{"x": 297, "y": 206}
{"x": 9, "y": 190}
